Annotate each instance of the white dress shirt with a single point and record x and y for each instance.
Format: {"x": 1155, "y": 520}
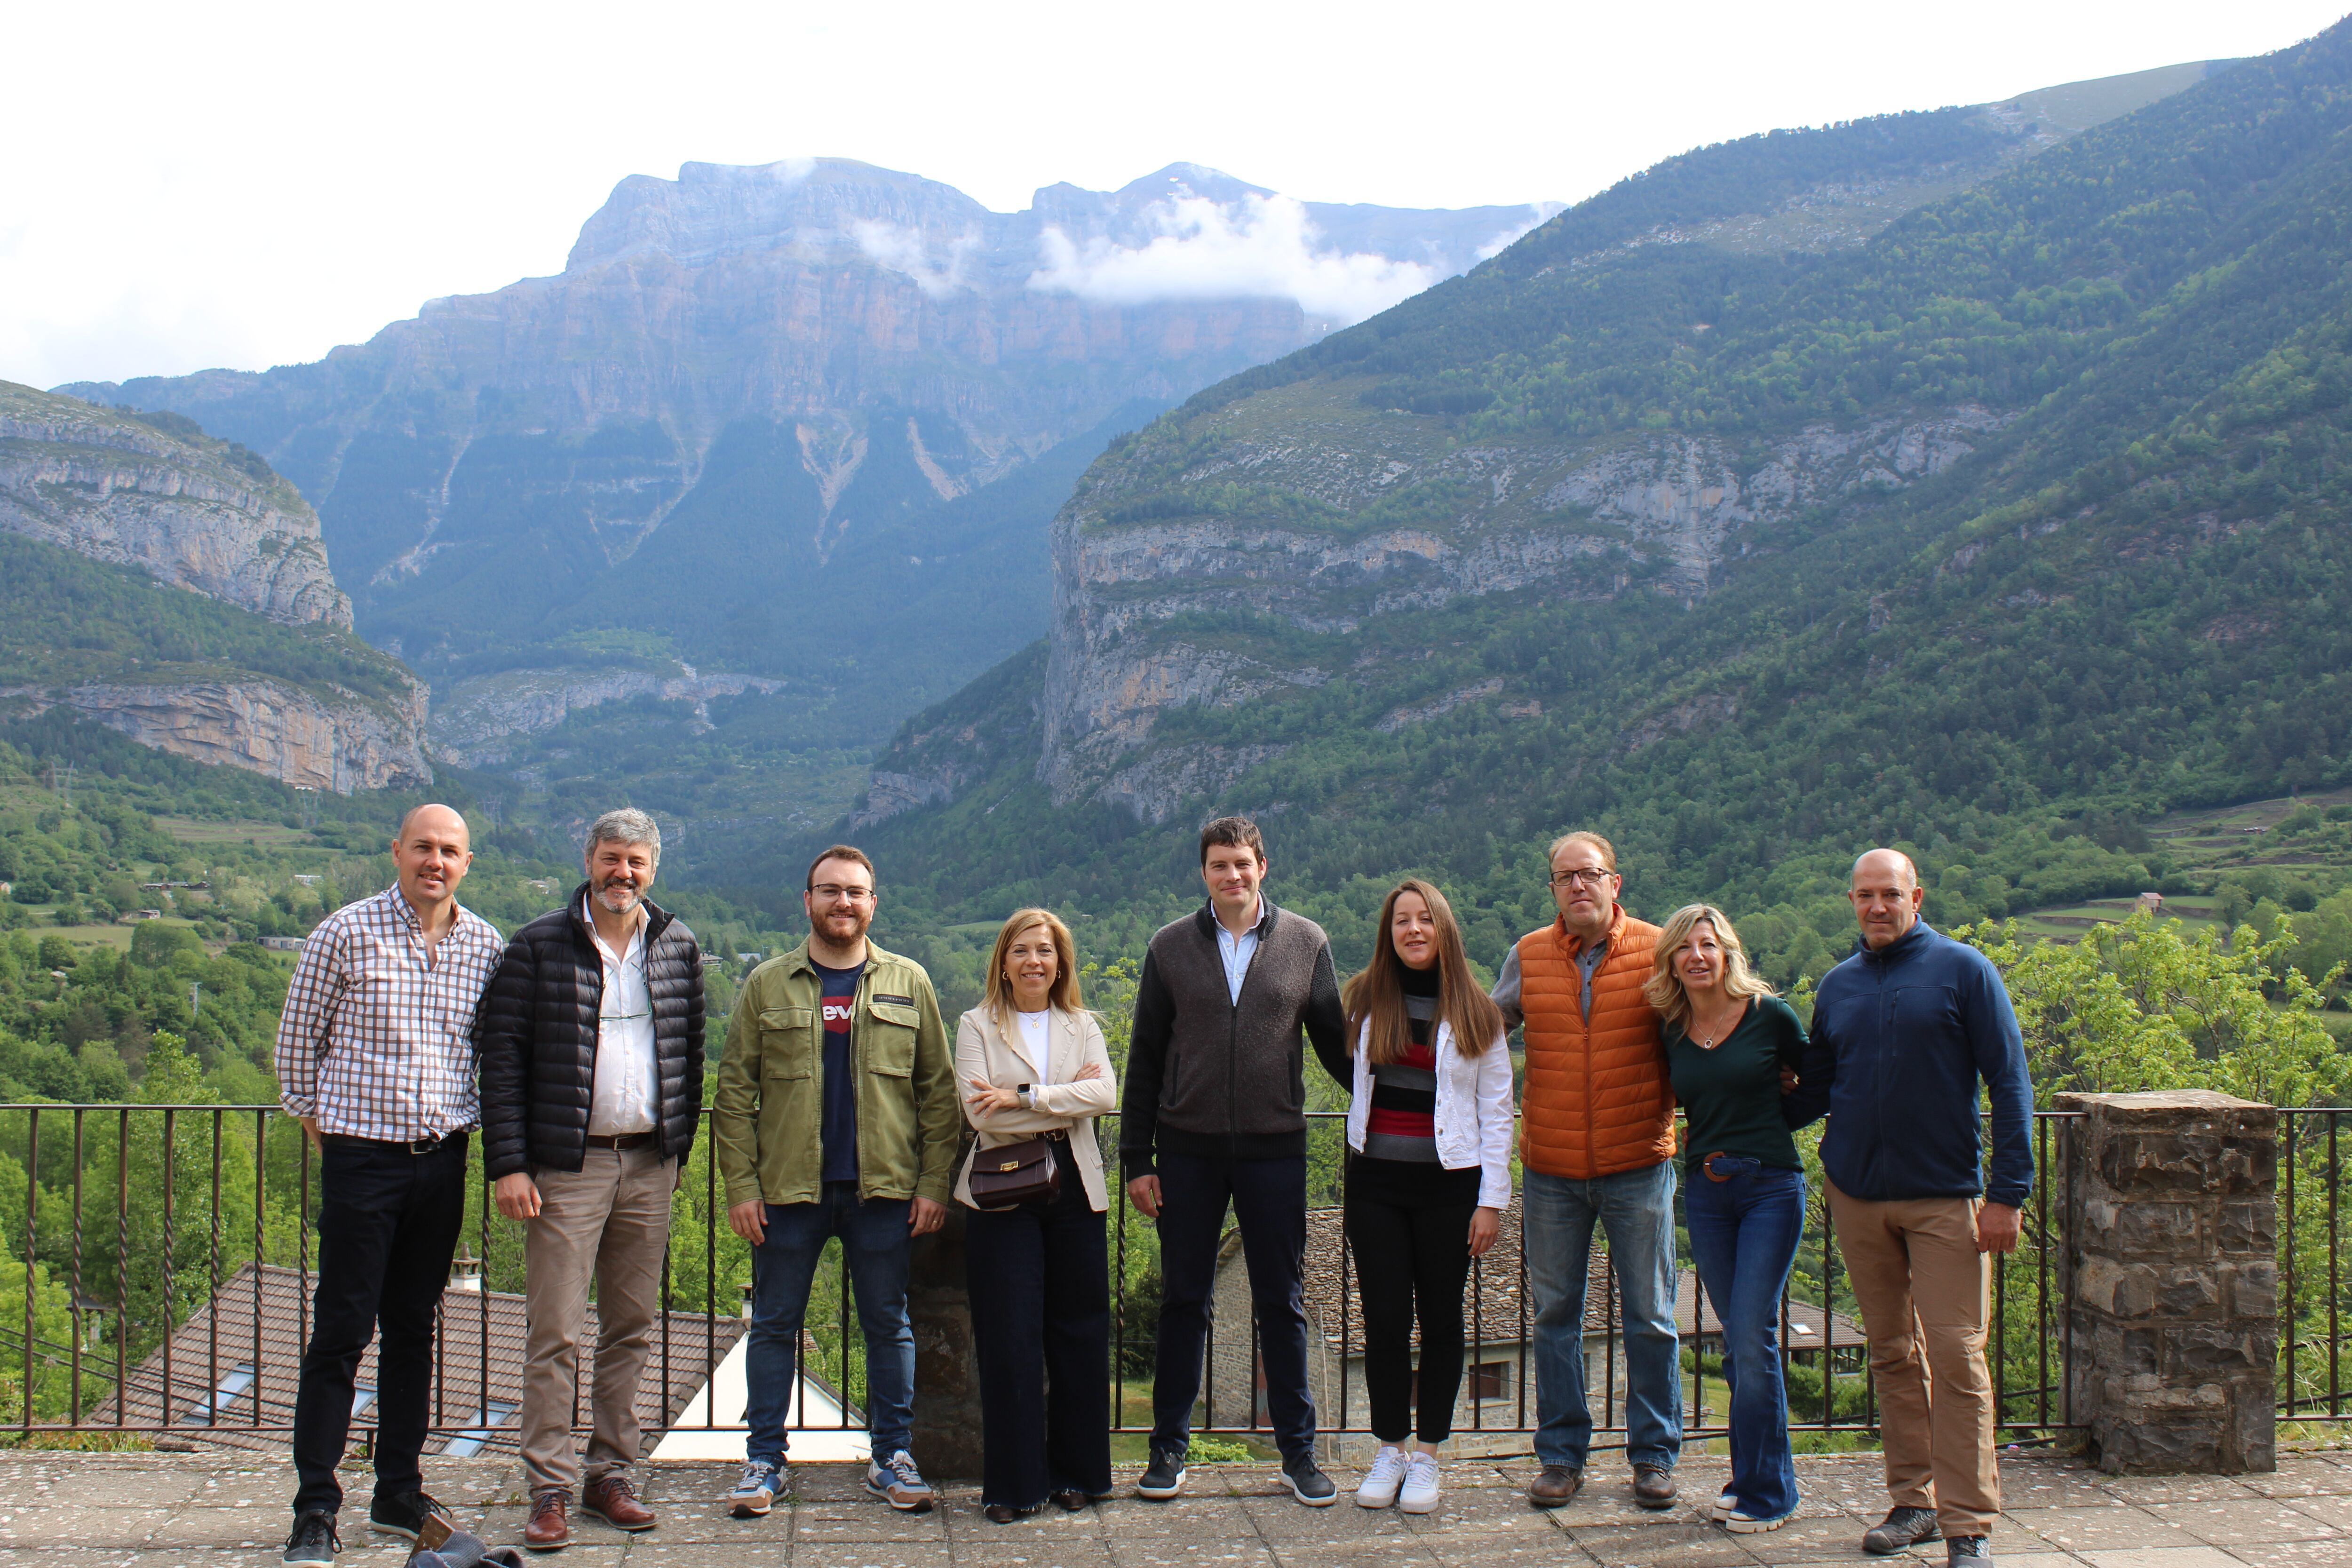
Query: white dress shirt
{"x": 1032, "y": 1043}
{"x": 626, "y": 1077}
{"x": 1237, "y": 951}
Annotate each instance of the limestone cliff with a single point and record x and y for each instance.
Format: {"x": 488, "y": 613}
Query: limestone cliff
{"x": 186, "y": 509}
{"x": 335, "y": 740}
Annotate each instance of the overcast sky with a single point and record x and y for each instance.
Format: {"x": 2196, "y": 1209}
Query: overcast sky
{"x": 246, "y": 184}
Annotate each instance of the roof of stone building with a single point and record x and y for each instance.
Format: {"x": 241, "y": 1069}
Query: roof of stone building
{"x": 234, "y": 1362}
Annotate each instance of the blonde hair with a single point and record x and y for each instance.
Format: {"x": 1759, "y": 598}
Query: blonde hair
{"x": 1606, "y": 851}
{"x": 1376, "y": 993}
{"x": 1063, "y": 992}
{"x": 1664, "y": 990}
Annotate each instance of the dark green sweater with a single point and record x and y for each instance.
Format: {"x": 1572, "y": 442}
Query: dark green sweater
{"x": 1731, "y": 1095}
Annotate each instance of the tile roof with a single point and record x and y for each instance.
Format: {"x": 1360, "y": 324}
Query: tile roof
{"x": 260, "y": 1316}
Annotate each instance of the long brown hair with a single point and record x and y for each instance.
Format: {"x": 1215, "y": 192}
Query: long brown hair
{"x": 1664, "y": 990}
{"x": 1377, "y": 994}
{"x": 1062, "y": 994}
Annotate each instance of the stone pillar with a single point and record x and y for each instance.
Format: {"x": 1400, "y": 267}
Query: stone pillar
{"x": 2171, "y": 1285}
{"x": 947, "y": 1376}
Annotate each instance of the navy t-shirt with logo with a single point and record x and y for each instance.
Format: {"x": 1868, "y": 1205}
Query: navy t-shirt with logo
{"x": 838, "y": 1120}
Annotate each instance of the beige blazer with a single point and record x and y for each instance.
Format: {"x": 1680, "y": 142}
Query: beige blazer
{"x": 1065, "y": 1103}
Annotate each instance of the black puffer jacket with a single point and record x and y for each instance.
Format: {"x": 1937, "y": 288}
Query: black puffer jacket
{"x": 535, "y": 1035}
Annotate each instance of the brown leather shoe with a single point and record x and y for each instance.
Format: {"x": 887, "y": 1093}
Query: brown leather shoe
{"x": 549, "y": 1530}
{"x": 1555, "y": 1485}
{"x": 613, "y": 1499}
{"x": 1653, "y": 1486}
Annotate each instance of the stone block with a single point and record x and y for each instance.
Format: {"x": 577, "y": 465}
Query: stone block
{"x": 2250, "y": 1289}
{"x": 2249, "y": 1228}
{"x": 2142, "y": 1290}
{"x": 2132, "y": 1232}
{"x": 2199, "y": 1350}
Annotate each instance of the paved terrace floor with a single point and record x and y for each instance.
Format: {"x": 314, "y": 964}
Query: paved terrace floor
{"x": 80, "y": 1510}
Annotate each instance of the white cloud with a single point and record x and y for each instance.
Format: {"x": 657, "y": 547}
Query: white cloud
{"x": 1260, "y": 247}
{"x": 905, "y": 250}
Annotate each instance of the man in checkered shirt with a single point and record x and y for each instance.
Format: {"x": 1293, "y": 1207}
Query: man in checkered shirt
{"x": 375, "y": 1056}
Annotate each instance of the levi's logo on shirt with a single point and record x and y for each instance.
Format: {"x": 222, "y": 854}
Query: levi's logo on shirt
{"x": 837, "y": 1016}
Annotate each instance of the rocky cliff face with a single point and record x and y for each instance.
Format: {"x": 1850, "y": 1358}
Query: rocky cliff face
{"x": 333, "y": 741}
{"x": 1398, "y": 515}
{"x": 179, "y": 506}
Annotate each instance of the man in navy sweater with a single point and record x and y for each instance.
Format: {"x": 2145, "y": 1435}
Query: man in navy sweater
{"x": 1903, "y": 1032}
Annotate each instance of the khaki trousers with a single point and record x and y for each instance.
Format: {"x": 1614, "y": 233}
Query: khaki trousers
{"x": 1922, "y": 1289}
{"x": 610, "y": 1219}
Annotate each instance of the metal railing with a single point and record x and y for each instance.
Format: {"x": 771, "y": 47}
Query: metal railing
{"x": 2311, "y": 1278}
{"x": 166, "y": 1262}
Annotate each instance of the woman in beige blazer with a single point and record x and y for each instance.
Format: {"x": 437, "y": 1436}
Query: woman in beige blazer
{"x": 1031, "y": 1060}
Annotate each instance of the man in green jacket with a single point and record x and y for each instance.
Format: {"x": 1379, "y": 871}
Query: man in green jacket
{"x": 836, "y": 1116}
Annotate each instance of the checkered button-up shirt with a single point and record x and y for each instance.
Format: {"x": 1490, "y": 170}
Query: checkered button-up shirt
{"x": 374, "y": 1041}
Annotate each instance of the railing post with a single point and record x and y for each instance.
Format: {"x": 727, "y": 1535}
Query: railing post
{"x": 2171, "y": 1281}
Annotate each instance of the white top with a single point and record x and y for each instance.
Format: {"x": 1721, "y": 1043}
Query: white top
{"x": 626, "y": 1077}
{"x": 1474, "y": 1110}
{"x": 1032, "y": 1043}
{"x": 1237, "y": 951}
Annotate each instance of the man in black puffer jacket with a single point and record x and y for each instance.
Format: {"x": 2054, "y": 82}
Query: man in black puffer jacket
{"x": 591, "y": 1043}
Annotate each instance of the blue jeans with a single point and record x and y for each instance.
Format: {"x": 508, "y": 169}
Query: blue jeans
{"x": 1744, "y": 1233}
{"x": 1636, "y": 1210}
{"x": 874, "y": 1235}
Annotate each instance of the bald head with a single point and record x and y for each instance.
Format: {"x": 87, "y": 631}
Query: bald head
{"x": 432, "y": 855}
{"x": 1885, "y": 895}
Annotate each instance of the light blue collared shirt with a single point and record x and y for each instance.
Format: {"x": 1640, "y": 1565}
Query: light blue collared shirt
{"x": 1237, "y": 951}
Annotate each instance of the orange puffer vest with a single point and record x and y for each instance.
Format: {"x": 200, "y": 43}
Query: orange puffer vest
{"x": 1597, "y": 1098}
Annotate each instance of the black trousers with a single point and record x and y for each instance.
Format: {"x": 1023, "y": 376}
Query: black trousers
{"x": 1409, "y": 1231}
{"x": 388, "y": 1223}
{"x": 1040, "y": 1285}
{"x": 1269, "y": 1204}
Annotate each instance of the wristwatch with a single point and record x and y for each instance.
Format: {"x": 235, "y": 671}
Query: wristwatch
{"x": 1028, "y": 1102}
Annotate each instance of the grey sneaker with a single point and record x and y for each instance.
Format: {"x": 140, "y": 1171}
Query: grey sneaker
{"x": 761, "y": 1484}
{"x": 1902, "y": 1527}
{"x": 1164, "y": 1479}
{"x": 898, "y": 1482}
{"x": 1309, "y": 1484}
{"x": 1969, "y": 1549}
{"x": 314, "y": 1543}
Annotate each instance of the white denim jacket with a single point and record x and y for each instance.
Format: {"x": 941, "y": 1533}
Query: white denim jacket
{"x": 1474, "y": 1110}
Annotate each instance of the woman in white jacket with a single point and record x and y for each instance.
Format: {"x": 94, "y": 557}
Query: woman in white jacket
{"x": 1430, "y": 1128}
{"x": 1032, "y": 1061}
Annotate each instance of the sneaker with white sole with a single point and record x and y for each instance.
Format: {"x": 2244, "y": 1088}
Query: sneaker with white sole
{"x": 1163, "y": 1477}
{"x": 1379, "y": 1488}
{"x": 762, "y": 1483}
{"x": 1727, "y": 1503}
{"x": 1740, "y": 1523}
{"x": 1420, "y": 1493}
{"x": 898, "y": 1482}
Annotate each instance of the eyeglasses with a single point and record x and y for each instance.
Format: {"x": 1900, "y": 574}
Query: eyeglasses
{"x": 830, "y": 893}
{"x": 1580, "y": 877}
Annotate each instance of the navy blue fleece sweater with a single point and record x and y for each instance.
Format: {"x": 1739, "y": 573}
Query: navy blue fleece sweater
{"x": 1901, "y": 1039}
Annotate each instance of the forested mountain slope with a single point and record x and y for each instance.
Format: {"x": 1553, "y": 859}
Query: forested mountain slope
{"x": 2021, "y": 519}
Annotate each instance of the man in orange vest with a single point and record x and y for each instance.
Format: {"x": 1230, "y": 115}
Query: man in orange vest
{"x": 1597, "y": 1137}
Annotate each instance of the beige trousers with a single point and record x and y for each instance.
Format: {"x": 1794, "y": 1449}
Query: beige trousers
{"x": 1922, "y": 1289}
{"x": 611, "y": 1219}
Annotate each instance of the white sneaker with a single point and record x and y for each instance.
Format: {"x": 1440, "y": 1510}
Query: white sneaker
{"x": 1419, "y": 1493}
{"x": 1729, "y": 1504}
{"x": 1381, "y": 1482}
{"x": 1740, "y": 1523}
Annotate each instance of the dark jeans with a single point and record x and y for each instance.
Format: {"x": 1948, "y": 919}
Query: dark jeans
{"x": 1744, "y": 1234}
{"x": 1039, "y": 1277}
{"x": 388, "y": 1223}
{"x": 872, "y": 1234}
{"x": 1409, "y": 1232}
{"x": 1269, "y": 1201}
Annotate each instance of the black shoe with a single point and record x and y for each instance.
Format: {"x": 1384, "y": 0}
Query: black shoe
{"x": 1653, "y": 1486}
{"x": 1164, "y": 1479}
{"x": 1309, "y": 1484}
{"x": 1969, "y": 1549}
{"x": 314, "y": 1543}
{"x": 412, "y": 1516}
{"x": 1902, "y": 1527}
{"x": 1005, "y": 1514}
{"x": 1071, "y": 1500}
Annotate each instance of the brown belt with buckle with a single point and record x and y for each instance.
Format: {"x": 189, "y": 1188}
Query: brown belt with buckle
{"x": 1707, "y": 1165}
{"x": 619, "y": 1140}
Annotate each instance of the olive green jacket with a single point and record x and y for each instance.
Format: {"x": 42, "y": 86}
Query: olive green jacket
{"x": 766, "y": 1122}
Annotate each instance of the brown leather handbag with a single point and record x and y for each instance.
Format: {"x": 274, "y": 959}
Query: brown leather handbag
{"x": 1010, "y": 1174}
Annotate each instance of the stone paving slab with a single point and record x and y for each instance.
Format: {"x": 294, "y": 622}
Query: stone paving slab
{"x": 213, "y": 1511}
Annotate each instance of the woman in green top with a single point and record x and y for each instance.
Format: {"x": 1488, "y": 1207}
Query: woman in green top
{"x": 1727, "y": 1038}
